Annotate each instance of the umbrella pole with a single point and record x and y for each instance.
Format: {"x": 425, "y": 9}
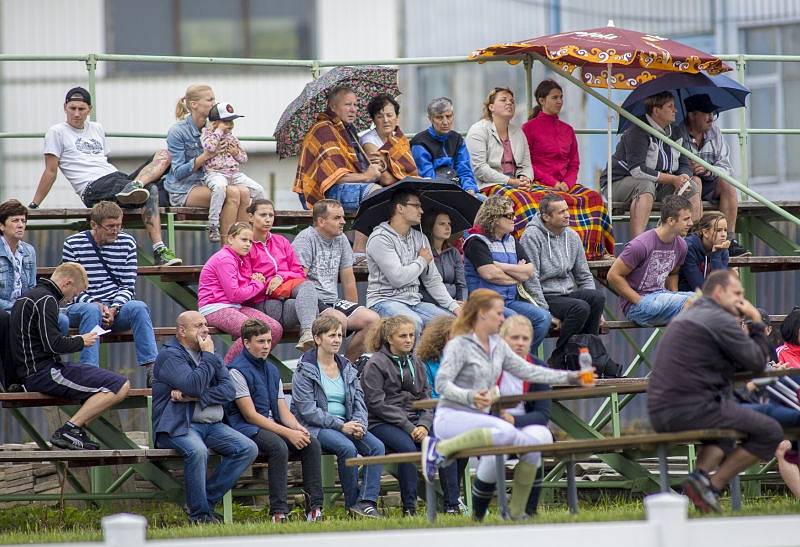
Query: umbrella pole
{"x": 528, "y": 64}
{"x": 609, "y": 119}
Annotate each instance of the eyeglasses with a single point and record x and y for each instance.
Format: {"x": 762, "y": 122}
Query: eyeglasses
{"x": 114, "y": 228}
{"x": 415, "y": 205}
{"x": 509, "y": 216}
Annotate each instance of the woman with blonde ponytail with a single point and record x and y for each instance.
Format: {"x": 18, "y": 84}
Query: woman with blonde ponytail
{"x": 467, "y": 384}
{"x": 184, "y": 181}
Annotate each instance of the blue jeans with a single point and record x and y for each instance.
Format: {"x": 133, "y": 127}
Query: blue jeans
{"x": 343, "y": 446}
{"x": 787, "y": 417}
{"x": 396, "y": 441}
{"x": 350, "y": 194}
{"x": 540, "y": 318}
{"x": 420, "y": 314}
{"x": 237, "y": 453}
{"x": 657, "y": 308}
{"x": 134, "y": 315}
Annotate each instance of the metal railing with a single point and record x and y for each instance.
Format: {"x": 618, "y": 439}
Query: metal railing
{"x": 314, "y": 66}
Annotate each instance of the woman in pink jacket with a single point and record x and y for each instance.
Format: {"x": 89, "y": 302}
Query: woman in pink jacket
{"x": 226, "y": 282}
{"x": 289, "y": 297}
{"x": 555, "y": 159}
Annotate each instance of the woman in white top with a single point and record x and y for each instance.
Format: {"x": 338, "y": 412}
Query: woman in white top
{"x": 387, "y": 142}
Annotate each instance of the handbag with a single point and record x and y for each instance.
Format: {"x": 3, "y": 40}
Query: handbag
{"x": 284, "y": 290}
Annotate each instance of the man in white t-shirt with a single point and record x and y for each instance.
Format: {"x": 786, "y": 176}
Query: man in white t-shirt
{"x": 79, "y": 148}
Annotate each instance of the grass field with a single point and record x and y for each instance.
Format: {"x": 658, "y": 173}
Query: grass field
{"x": 36, "y": 524}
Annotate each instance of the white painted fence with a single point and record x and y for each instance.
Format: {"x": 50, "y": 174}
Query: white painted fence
{"x": 666, "y": 525}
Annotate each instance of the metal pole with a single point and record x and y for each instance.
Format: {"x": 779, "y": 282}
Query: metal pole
{"x": 744, "y": 167}
{"x": 91, "y": 67}
{"x": 609, "y": 120}
{"x": 528, "y": 64}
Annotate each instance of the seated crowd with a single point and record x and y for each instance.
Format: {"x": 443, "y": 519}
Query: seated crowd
{"x": 480, "y": 318}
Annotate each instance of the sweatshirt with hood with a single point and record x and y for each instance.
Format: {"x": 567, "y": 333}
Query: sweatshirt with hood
{"x": 699, "y": 263}
{"x": 466, "y": 368}
{"x": 391, "y": 383}
{"x": 396, "y": 269}
{"x": 559, "y": 261}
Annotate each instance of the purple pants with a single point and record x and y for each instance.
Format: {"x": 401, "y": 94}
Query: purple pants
{"x": 229, "y": 320}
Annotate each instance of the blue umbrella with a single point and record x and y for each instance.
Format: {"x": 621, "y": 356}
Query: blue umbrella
{"x": 724, "y": 92}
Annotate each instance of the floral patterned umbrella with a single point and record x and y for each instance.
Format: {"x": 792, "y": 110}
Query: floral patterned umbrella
{"x": 634, "y": 57}
{"x": 367, "y": 81}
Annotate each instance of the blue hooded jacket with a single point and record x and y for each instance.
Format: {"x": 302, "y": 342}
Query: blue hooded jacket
{"x": 698, "y": 264}
{"x": 432, "y": 151}
{"x": 207, "y": 381}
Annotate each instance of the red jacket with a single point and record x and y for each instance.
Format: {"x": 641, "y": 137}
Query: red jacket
{"x": 554, "y": 150}
{"x": 789, "y": 354}
{"x": 272, "y": 257}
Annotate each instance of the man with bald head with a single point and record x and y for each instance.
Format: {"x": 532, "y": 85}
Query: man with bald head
{"x": 332, "y": 163}
{"x": 190, "y": 387}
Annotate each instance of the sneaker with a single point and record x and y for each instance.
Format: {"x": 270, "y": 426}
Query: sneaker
{"x": 315, "y": 515}
{"x": 306, "y": 341}
{"x": 279, "y": 518}
{"x": 205, "y": 519}
{"x": 365, "y": 509}
{"x": 213, "y": 233}
{"x": 72, "y": 438}
{"x": 431, "y": 459}
{"x": 134, "y": 193}
{"x": 166, "y": 257}
{"x": 698, "y": 488}
{"x": 737, "y": 250}
{"x": 410, "y": 512}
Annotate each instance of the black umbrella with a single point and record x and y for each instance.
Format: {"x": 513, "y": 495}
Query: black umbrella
{"x": 435, "y": 195}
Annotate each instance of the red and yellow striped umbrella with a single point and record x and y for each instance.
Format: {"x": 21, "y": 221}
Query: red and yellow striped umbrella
{"x": 635, "y": 57}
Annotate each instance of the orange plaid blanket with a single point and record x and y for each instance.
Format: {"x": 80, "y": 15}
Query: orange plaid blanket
{"x": 588, "y": 214}
{"x": 325, "y": 157}
{"x": 397, "y": 154}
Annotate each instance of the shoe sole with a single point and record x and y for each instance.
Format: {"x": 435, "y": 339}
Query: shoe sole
{"x": 66, "y": 445}
{"x": 357, "y": 513}
{"x": 697, "y": 499}
{"x": 137, "y": 196}
{"x": 174, "y": 262}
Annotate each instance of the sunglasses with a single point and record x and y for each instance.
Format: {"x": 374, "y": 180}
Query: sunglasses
{"x": 509, "y": 216}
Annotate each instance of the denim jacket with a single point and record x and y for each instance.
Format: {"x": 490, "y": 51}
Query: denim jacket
{"x": 7, "y": 273}
{"x": 183, "y": 143}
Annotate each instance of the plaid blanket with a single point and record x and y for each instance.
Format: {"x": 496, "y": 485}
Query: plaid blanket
{"x": 326, "y": 156}
{"x": 587, "y": 211}
{"x": 397, "y": 154}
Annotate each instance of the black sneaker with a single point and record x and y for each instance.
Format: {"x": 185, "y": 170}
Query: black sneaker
{"x": 206, "y": 519}
{"x": 698, "y": 488}
{"x": 412, "y": 512}
{"x": 72, "y": 438}
{"x": 134, "y": 193}
{"x": 737, "y": 250}
{"x": 166, "y": 257}
{"x": 149, "y": 374}
{"x": 365, "y": 509}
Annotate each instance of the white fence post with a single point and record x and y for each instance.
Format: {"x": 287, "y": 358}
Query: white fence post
{"x": 124, "y": 530}
{"x": 669, "y": 514}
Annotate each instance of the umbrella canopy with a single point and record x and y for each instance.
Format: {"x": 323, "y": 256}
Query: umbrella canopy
{"x": 724, "y": 92}
{"x": 636, "y": 57}
{"x": 435, "y": 195}
{"x": 367, "y": 81}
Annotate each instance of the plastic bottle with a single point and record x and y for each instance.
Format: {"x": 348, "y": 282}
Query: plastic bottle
{"x": 585, "y": 362}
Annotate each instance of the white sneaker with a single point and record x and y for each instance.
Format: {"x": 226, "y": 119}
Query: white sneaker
{"x": 306, "y": 341}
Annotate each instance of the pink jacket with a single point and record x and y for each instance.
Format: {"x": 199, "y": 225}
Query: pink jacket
{"x": 272, "y": 257}
{"x": 226, "y": 163}
{"x": 225, "y": 279}
{"x": 554, "y": 150}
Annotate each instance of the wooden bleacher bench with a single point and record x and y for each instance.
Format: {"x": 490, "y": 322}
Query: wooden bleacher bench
{"x": 567, "y": 451}
{"x": 89, "y": 458}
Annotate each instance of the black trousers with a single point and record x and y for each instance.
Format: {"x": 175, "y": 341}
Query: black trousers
{"x": 579, "y": 312}
{"x": 278, "y": 450}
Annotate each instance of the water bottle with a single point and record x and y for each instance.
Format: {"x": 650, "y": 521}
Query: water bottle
{"x": 585, "y": 362}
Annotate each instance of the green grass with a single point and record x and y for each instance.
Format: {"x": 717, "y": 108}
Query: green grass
{"x": 37, "y": 524}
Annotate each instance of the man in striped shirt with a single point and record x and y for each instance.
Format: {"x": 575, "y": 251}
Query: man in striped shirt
{"x": 109, "y": 256}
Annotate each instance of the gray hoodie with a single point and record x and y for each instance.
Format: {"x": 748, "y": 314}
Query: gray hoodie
{"x": 559, "y": 261}
{"x": 396, "y": 269}
{"x": 466, "y": 368}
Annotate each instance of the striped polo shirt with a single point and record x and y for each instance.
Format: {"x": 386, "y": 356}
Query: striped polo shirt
{"x": 120, "y": 256}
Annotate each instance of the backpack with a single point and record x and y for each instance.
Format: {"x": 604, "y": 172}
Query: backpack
{"x": 605, "y": 367}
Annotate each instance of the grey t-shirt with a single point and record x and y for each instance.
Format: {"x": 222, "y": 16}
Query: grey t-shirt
{"x": 210, "y": 414}
{"x": 324, "y": 258}
{"x": 242, "y": 390}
